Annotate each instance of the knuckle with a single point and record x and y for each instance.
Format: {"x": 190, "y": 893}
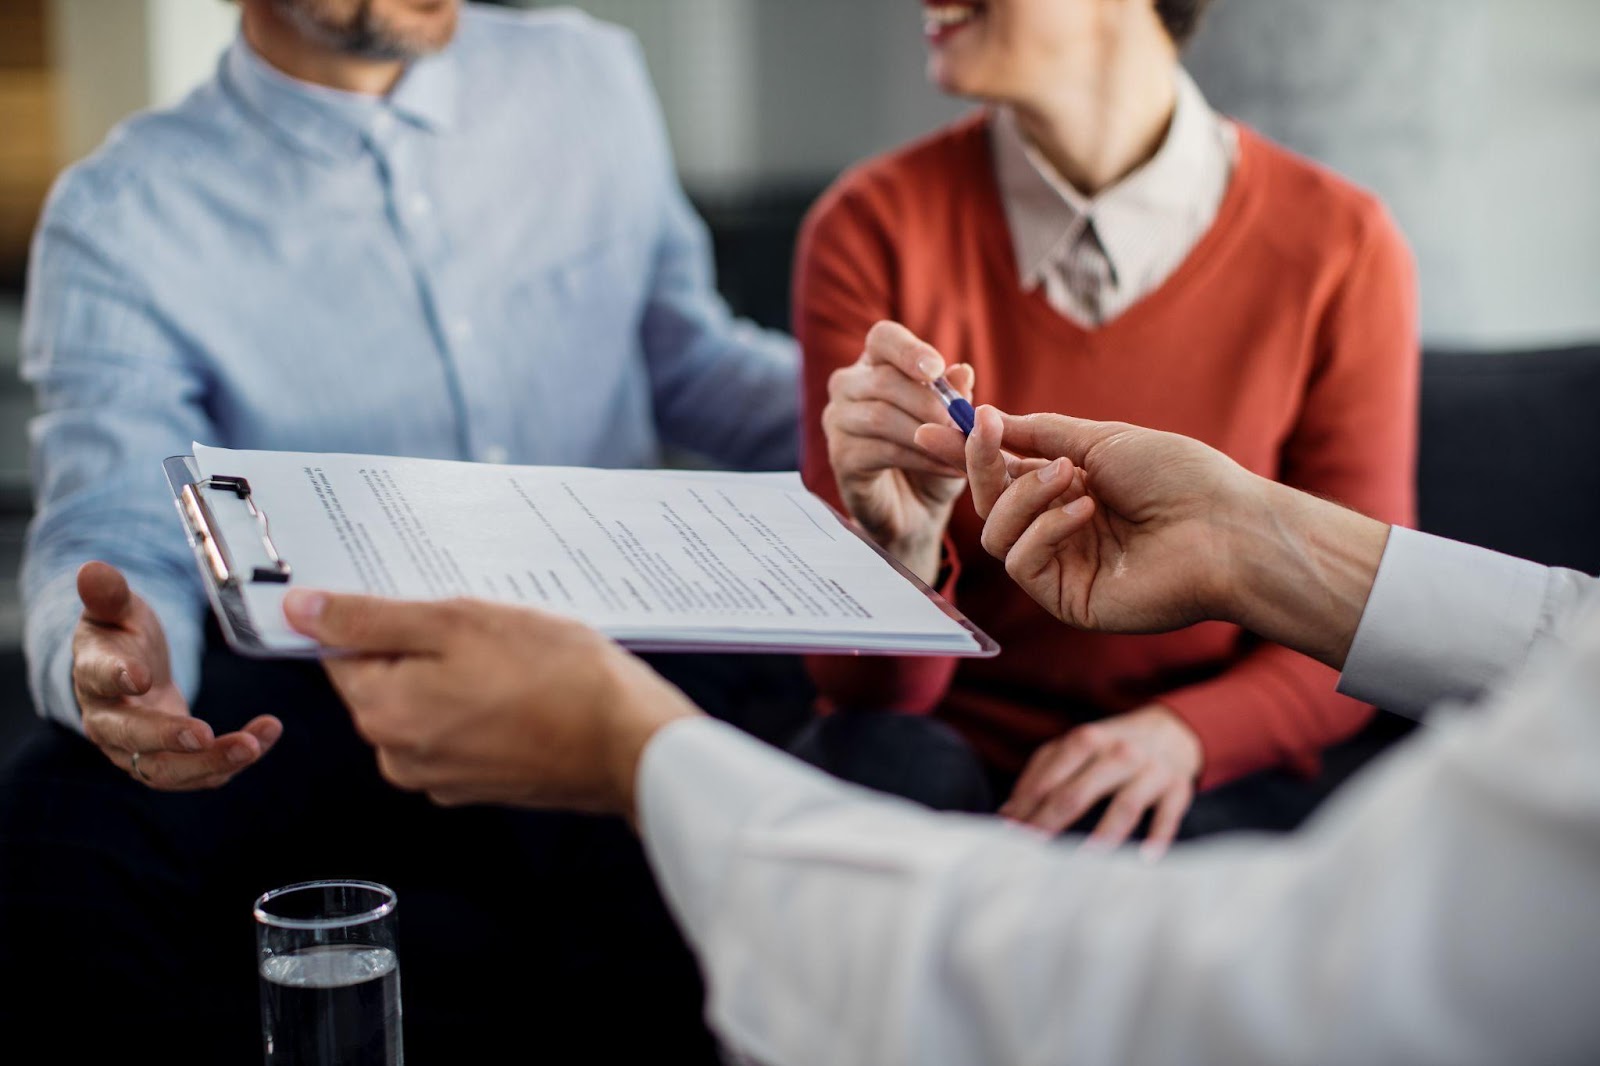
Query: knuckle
{"x": 1126, "y": 808}
{"x": 1069, "y": 801}
{"x": 93, "y": 729}
{"x": 1087, "y": 738}
{"x": 839, "y": 381}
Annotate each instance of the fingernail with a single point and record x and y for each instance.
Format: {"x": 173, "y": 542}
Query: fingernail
{"x": 126, "y": 681}
{"x": 931, "y": 366}
{"x": 1050, "y": 472}
{"x": 238, "y": 755}
{"x": 1096, "y": 846}
{"x": 1079, "y": 507}
{"x": 304, "y": 605}
{"x": 1152, "y": 853}
{"x": 189, "y": 740}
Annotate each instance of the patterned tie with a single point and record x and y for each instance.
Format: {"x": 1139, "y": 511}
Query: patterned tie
{"x": 1087, "y": 273}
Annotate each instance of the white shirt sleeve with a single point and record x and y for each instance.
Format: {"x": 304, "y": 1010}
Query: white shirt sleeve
{"x": 1441, "y": 910}
{"x": 1448, "y": 621}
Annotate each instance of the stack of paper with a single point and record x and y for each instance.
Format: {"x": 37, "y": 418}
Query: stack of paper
{"x": 654, "y": 559}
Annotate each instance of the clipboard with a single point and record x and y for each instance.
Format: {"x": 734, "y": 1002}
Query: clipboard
{"x": 229, "y": 561}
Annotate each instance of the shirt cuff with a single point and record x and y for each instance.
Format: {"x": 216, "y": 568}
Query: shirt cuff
{"x": 1444, "y": 621}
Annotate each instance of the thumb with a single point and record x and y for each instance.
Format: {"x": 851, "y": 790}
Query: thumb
{"x": 105, "y": 594}
{"x": 367, "y": 624}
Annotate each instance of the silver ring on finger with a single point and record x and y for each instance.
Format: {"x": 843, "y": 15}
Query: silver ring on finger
{"x": 138, "y": 771}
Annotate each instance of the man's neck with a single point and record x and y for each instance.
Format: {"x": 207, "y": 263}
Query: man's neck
{"x": 1097, "y": 131}
{"x": 288, "y": 51}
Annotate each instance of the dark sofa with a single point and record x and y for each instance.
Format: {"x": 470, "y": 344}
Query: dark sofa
{"x": 1510, "y": 454}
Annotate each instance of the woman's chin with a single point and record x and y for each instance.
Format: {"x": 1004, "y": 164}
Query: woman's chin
{"x": 949, "y": 75}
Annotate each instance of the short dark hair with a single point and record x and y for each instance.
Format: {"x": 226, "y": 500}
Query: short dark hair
{"x": 1181, "y": 17}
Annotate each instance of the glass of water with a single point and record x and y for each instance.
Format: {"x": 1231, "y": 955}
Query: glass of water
{"x": 330, "y": 978}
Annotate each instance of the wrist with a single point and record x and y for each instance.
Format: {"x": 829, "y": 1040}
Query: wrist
{"x": 1302, "y": 570}
{"x": 638, "y": 704}
{"x": 1182, "y": 740}
{"x": 920, "y": 554}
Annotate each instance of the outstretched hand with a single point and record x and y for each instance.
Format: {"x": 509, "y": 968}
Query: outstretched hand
{"x": 132, "y": 710}
{"x": 1112, "y": 527}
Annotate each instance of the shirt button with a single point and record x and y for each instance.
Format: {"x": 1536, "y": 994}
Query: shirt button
{"x": 421, "y": 205}
{"x": 382, "y": 123}
{"x": 461, "y": 329}
{"x": 495, "y": 454}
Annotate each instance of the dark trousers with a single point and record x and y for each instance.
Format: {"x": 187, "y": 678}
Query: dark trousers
{"x": 125, "y": 925}
{"x": 925, "y": 760}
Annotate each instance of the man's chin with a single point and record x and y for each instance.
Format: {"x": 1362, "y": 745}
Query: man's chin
{"x": 377, "y": 36}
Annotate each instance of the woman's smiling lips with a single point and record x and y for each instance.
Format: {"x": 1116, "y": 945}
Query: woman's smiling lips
{"x": 941, "y": 21}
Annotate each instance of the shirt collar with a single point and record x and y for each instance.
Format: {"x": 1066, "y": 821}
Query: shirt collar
{"x": 332, "y": 124}
{"x": 1046, "y": 213}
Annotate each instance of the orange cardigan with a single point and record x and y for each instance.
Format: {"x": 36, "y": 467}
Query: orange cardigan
{"x": 1287, "y": 339}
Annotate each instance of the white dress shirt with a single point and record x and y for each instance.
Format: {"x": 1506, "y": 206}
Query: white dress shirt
{"x": 1096, "y": 257}
{"x": 1445, "y": 908}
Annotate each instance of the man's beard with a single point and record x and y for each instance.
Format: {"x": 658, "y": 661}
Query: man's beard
{"x": 363, "y": 35}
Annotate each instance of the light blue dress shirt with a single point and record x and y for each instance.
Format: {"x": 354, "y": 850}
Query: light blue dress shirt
{"x": 493, "y": 263}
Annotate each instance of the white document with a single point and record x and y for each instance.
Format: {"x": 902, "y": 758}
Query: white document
{"x": 650, "y": 558}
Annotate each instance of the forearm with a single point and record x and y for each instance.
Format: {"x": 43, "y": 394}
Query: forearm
{"x": 1411, "y": 619}
{"x": 723, "y": 390}
{"x": 1301, "y": 569}
{"x": 50, "y": 615}
{"x": 837, "y": 926}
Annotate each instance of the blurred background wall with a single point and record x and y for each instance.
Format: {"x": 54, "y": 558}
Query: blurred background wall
{"x": 1478, "y": 121}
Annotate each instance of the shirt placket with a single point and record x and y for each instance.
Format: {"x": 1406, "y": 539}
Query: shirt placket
{"x": 482, "y": 412}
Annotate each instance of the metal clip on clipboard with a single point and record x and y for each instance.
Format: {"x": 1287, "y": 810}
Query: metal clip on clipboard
{"x": 204, "y": 528}
{"x": 225, "y": 576}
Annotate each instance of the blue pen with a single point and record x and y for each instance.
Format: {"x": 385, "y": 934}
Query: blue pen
{"x": 961, "y": 412}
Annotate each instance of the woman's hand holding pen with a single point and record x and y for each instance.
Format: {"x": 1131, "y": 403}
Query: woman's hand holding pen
{"x": 901, "y": 495}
